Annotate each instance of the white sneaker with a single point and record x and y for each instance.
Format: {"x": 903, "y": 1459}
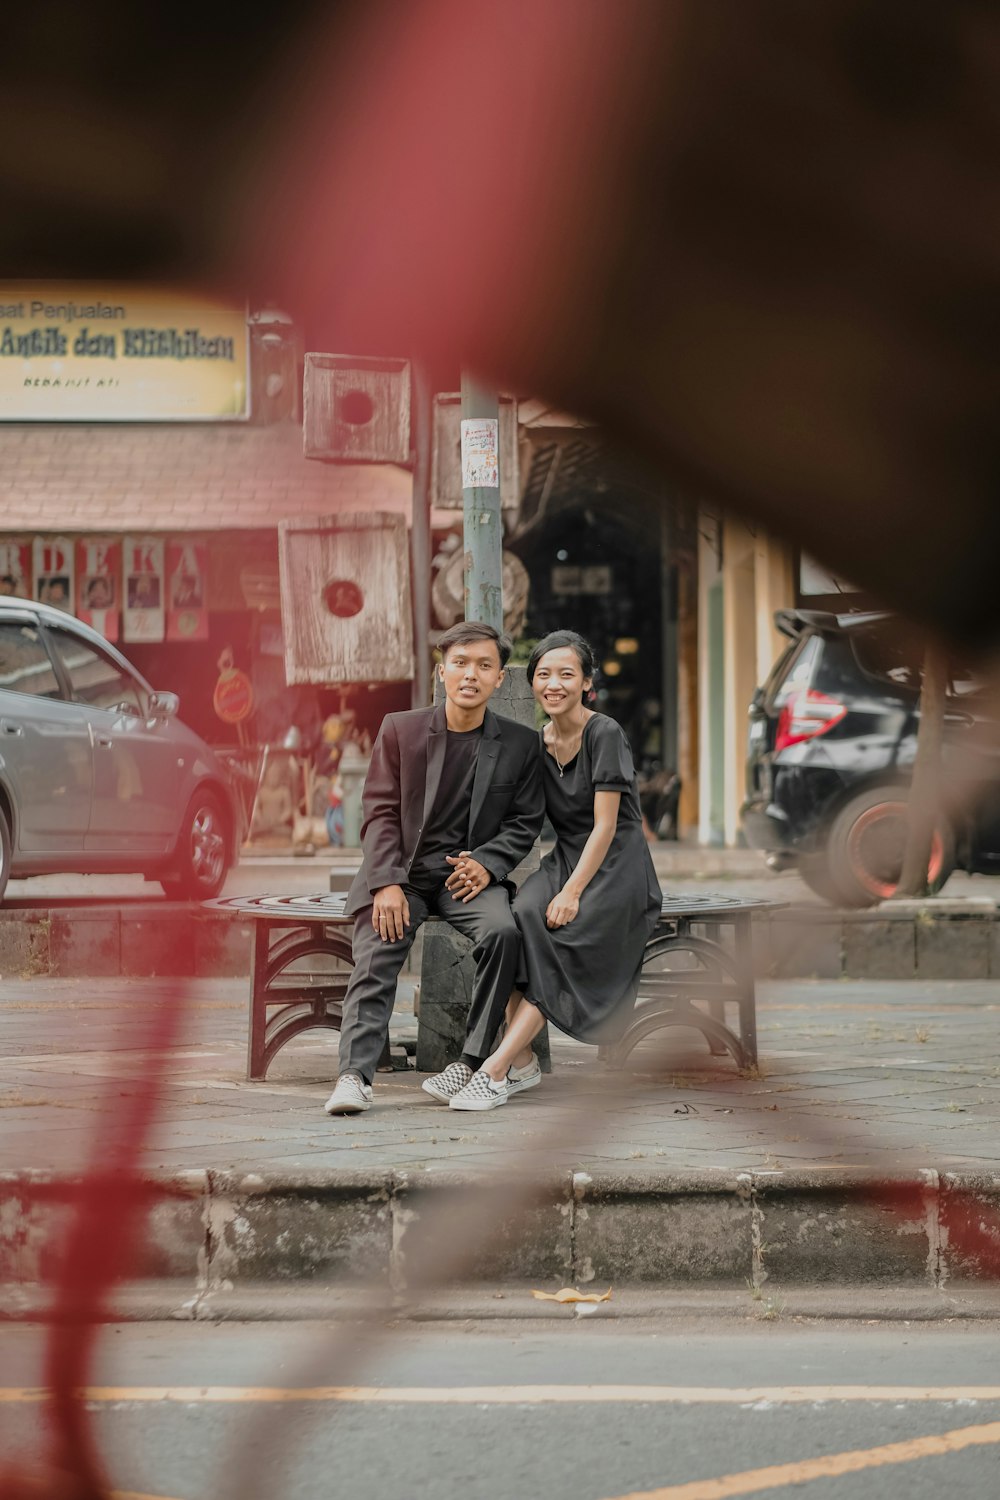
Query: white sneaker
{"x": 352, "y": 1096}
{"x": 444, "y": 1086}
{"x": 481, "y": 1093}
{"x": 528, "y": 1077}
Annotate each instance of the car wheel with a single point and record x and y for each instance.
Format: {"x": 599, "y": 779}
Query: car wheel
{"x": 867, "y": 843}
{"x": 815, "y": 871}
{"x": 201, "y": 864}
{"x": 5, "y": 848}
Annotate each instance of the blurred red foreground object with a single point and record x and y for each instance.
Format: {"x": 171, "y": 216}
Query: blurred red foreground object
{"x": 756, "y": 241}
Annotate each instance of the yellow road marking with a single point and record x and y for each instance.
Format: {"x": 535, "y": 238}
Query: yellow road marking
{"x": 727, "y": 1487}
{"x": 135, "y": 1495}
{"x": 509, "y": 1395}
{"x": 754, "y": 1480}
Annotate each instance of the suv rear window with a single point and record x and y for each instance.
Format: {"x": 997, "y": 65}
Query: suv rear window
{"x": 964, "y": 681}
{"x": 792, "y": 671}
{"x": 891, "y": 652}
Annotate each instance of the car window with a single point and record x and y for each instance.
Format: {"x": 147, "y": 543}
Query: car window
{"x": 94, "y": 678}
{"x": 24, "y": 662}
{"x": 963, "y": 680}
{"x": 776, "y": 676}
{"x": 792, "y": 672}
{"x": 889, "y": 651}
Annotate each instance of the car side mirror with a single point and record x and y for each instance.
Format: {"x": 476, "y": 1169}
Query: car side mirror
{"x": 164, "y": 705}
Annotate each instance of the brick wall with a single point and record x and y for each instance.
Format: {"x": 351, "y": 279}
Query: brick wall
{"x": 79, "y": 477}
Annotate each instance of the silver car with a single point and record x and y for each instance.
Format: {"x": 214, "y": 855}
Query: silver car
{"x": 97, "y": 773}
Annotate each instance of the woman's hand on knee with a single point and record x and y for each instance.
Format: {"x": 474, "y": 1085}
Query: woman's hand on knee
{"x": 562, "y": 909}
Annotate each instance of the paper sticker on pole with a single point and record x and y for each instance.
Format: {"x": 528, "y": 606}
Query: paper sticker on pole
{"x": 98, "y": 571}
{"x": 54, "y": 571}
{"x": 480, "y": 453}
{"x": 144, "y": 613}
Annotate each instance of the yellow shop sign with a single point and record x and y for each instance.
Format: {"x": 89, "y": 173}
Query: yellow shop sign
{"x": 91, "y": 353}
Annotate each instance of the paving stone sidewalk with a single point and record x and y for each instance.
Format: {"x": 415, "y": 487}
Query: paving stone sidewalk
{"x": 876, "y": 1076}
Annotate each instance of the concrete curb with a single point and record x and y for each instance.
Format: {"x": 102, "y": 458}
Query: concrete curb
{"x": 163, "y": 1301}
{"x": 140, "y": 940}
{"x": 934, "y": 939}
{"x": 212, "y": 1235}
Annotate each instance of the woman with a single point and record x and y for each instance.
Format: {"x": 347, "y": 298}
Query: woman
{"x": 588, "y": 912}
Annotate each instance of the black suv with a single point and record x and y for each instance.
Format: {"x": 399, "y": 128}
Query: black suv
{"x": 830, "y": 756}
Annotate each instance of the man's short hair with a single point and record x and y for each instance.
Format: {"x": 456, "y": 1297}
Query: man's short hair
{"x": 467, "y": 631}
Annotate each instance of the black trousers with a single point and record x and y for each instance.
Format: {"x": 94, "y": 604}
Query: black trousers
{"x": 371, "y": 992}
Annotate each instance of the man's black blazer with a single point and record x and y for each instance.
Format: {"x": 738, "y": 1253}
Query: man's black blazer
{"x": 505, "y": 812}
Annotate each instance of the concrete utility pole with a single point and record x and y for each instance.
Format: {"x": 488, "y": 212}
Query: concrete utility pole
{"x": 481, "y": 504}
{"x": 446, "y": 967}
{"x": 420, "y": 536}
{"x": 927, "y": 785}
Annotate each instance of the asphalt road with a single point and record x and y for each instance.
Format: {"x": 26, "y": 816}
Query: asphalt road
{"x": 566, "y": 1410}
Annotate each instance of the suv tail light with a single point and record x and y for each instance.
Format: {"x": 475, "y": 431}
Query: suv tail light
{"x": 807, "y": 714}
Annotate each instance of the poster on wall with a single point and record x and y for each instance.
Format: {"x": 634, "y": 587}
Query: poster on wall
{"x": 54, "y": 568}
{"x": 187, "y": 577}
{"x": 98, "y": 581}
{"x": 15, "y": 567}
{"x": 91, "y": 352}
{"x": 142, "y": 581}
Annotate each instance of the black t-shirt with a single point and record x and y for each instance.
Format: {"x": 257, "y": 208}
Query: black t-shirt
{"x": 448, "y": 829}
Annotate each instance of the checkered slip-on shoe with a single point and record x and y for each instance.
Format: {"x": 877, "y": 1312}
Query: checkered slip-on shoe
{"x": 444, "y": 1086}
{"x": 481, "y": 1093}
{"x": 352, "y": 1096}
{"x": 528, "y": 1077}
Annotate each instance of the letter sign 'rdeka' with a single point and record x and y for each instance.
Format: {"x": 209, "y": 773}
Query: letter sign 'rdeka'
{"x": 15, "y": 567}
{"x": 54, "y": 571}
{"x": 187, "y": 608}
{"x": 98, "y": 578}
{"x": 145, "y": 615}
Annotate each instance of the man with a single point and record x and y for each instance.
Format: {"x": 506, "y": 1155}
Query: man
{"x": 452, "y": 802}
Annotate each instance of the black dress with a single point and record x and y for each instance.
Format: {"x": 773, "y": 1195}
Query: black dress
{"x": 583, "y": 977}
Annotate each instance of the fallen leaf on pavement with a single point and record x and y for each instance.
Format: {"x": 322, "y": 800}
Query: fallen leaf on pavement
{"x": 570, "y": 1294}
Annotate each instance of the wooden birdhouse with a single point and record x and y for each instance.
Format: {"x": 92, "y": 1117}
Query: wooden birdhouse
{"x": 356, "y": 410}
{"x": 345, "y": 598}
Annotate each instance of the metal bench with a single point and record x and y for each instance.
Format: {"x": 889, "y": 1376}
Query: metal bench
{"x": 698, "y": 962}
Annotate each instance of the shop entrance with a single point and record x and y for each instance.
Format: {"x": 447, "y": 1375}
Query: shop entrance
{"x": 597, "y": 570}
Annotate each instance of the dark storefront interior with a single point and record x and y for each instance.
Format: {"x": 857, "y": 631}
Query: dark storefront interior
{"x": 591, "y": 538}
{"x": 598, "y": 573}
